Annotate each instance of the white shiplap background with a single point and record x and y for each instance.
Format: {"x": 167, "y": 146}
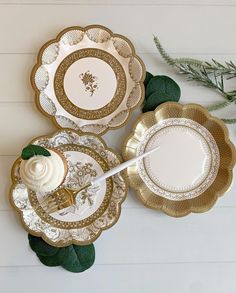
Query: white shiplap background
{"x": 146, "y": 251}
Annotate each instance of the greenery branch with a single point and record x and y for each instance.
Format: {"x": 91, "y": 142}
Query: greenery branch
{"x": 210, "y": 74}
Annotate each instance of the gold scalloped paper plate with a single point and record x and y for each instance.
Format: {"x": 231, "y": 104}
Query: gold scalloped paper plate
{"x": 193, "y": 165}
{"x": 88, "y": 79}
{"x": 96, "y": 209}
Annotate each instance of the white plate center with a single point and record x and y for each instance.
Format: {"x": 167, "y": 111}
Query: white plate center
{"x": 90, "y": 83}
{"x": 183, "y": 160}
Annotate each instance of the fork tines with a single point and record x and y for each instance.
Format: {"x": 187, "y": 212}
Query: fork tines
{"x": 58, "y": 200}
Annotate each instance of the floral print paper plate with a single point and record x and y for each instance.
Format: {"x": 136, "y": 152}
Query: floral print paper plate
{"x": 97, "y": 208}
{"x": 88, "y": 79}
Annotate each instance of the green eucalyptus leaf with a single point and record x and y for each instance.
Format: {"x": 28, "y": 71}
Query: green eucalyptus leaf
{"x": 49, "y": 261}
{"x": 73, "y": 258}
{"x": 148, "y": 77}
{"x": 54, "y": 260}
{"x": 33, "y": 150}
{"x": 165, "y": 85}
{"x": 79, "y": 258}
{"x": 154, "y": 100}
{"x": 40, "y": 247}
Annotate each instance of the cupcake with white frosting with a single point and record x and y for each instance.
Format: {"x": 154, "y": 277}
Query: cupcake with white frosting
{"x": 43, "y": 173}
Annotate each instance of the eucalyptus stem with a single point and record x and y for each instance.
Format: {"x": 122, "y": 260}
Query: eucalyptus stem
{"x": 211, "y": 75}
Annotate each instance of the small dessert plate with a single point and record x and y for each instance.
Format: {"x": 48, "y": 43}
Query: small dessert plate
{"x": 88, "y": 79}
{"x": 97, "y": 208}
{"x": 193, "y": 165}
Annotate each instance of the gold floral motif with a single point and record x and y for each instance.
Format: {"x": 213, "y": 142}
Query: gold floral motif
{"x": 69, "y": 183}
{"x": 100, "y": 35}
{"x": 73, "y": 109}
{"x": 60, "y": 237}
{"x": 89, "y": 81}
{"x": 81, "y": 174}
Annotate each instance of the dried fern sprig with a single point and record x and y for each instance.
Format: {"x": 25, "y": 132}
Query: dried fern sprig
{"x": 175, "y": 61}
{"x": 229, "y": 68}
{"x": 211, "y": 75}
{"x": 229, "y": 121}
{"x": 200, "y": 74}
{"x": 218, "y": 106}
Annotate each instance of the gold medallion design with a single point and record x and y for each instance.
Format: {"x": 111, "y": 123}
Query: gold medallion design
{"x": 89, "y": 81}
{"x": 74, "y": 109}
{"x": 60, "y": 108}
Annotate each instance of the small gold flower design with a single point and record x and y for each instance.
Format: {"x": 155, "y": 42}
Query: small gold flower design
{"x": 89, "y": 81}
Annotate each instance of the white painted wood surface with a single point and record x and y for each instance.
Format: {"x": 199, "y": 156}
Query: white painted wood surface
{"x": 146, "y": 251}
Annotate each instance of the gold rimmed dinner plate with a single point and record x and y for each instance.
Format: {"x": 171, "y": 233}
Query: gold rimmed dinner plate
{"x": 95, "y": 210}
{"x": 193, "y": 165}
{"x": 88, "y": 79}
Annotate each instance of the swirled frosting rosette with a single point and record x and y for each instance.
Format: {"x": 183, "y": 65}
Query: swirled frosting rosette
{"x": 43, "y": 174}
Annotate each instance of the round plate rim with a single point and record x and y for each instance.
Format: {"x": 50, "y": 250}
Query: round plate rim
{"x": 62, "y": 243}
{"x": 156, "y": 202}
{"x": 84, "y": 29}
